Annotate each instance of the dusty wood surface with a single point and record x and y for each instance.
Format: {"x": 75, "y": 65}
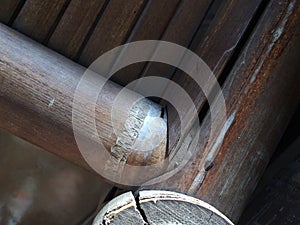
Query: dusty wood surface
{"x": 150, "y": 26}
{"x": 215, "y": 44}
{"x": 74, "y": 26}
{"x": 7, "y": 9}
{"x": 38, "y": 18}
{"x": 120, "y": 210}
{"x": 178, "y": 27}
{"x": 112, "y": 29}
{"x": 37, "y": 81}
{"x": 159, "y": 207}
{"x": 261, "y": 92}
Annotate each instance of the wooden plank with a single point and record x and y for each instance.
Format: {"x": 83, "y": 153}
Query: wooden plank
{"x": 8, "y": 8}
{"x": 38, "y": 18}
{"x": 159, "y": 207}
{"x": 112, "y": 29}
{"x": 261, "y": 92}
{"x": 74, "y": 25}
{"x": 150, "y": 26}
{"x": 180, "y": 30}
{"x": 41, "y": 82}
{"x": 221, "y": 40}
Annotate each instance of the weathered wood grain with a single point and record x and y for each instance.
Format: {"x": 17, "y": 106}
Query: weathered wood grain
{"x": 261, "y": 92}
{"x": 110, "y": 213}
{"x": 112, "y": 29}
{"x": 159, "y": 207}
{"x": 38, "y": 18}
{"x": 37, "y": 81}
{"x": 74, "y": 26}
{"x": 220, "y": 42}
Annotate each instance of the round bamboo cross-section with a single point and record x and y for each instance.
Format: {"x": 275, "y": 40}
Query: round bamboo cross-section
{"x": 159, "y": 208}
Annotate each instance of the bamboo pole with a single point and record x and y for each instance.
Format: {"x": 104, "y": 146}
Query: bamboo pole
{"x": 37, "y": 89}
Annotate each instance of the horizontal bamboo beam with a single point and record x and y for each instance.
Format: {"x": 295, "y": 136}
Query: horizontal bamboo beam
{"x": 37, "y": 90}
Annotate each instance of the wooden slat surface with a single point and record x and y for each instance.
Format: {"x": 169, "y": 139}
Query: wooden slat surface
{"x": 73, "y": 27}
{"x": 112, "y": 29}
{"x": 7, "y": 9}
{"x": 150, "y": 26}
{"x": 38, "y": 17}
{"x": 221, "y": 40}
{"x": 180, "y": 30}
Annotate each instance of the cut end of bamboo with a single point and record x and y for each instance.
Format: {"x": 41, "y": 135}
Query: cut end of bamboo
{"x": 159, "y": 207}
{"x": 140, "y": 149}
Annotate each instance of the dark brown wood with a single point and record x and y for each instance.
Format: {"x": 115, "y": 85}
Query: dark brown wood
{"x": 180, "y": 29}
{"x": 37, "y": 81}
{"x": 112, "y": 29}
{"x": 219, "y": 43}
{"x": 74, "y": 26}
{"x": 261, "y": 92}
{"x": 7, "y": 9}
{"x": 31, "y": 174}
{"x": 159, "y": 207}
{"x": 150, "y": 26}
{"x": 275, "y": 199}
{"x": 38, "y": 17}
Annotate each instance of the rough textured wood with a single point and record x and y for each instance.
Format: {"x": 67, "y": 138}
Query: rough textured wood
{"x": 261, "y": 93}
{"x": 38, "y": 17}
{"x": 121, "y": 210}
{"x": 159, "y": 207}
{"x": 112, "y": 29}
{"x": 7, "y": 9}
{"x": 43, "y": 83}
{"x": 74, "y": 26}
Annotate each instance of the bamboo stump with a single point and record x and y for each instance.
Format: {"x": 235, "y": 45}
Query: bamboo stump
{"x": 157, "y": 208}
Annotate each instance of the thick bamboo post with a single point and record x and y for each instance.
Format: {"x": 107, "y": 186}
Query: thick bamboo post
{"x": 37, "y": 89}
